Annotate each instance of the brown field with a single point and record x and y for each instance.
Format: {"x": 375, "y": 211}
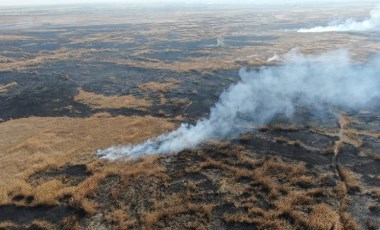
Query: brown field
{"x": 169, "y": 85}
{"x": 4, "y": 88}
{"x": 75, "y": 82}
{"x": 35, "y": 144}
{"x": 96, "y": 101}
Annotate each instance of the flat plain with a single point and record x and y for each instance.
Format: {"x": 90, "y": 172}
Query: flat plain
{"x": 74, "y": 80}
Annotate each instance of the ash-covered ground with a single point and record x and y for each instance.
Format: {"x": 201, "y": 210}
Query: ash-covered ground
{"x": 74, "y": 80}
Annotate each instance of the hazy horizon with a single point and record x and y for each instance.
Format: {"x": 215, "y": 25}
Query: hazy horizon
{"x": 6, "y": 3}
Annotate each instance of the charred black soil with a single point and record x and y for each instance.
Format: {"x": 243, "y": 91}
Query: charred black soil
{"x": 311, "y": 171}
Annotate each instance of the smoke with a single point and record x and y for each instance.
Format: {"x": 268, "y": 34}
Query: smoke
{"x": 313, "y": 81}
{"x": 220, "y": 42}
{"x": 350, "y": 25}
{"x": 275, "y": 57}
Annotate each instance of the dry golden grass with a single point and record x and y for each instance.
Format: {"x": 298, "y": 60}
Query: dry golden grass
{"x": 116, "y": 37}
{"x": 174, "y": 206}
{"x": 286, "y": 186}
{"x": 351, "y": 180}
{"x": 89, "y": 207}
{"x": 48, "y": 143}
{"x": 347, "y": 222}
{"x": 4, "y": 88}
{"x": 5, "y": 59}
{"x": 373, "y": 134}
{"x": 48, "y": 56}
{"x": 5, "y": 37}
{"x": 338, "y": 145}
{"x": 121, "y": 218}
{"x": 374, "y": 192}
{"x": 42, "y": 225}
{"x": 191, "y": 28}
{"x": 102, "y": 115}
{"x": 71, "y": 223}
{"x": 290, "y": 190}
{"x": 35, "y": 145}
{"x": 231, "y": 57}
{"x": 341, "y": 190}
{"x": 7, "y": 225}
{"x": 351, "y": 137}
{"x": 348, "y": 135}
{"x": 195, "y": 64}
{"x": 98, "y": 101}
{"x": 323, "y": 217}
{"x": 345, "y": 122}
{"x": 371, "y": 154}
{"x": 50, "y": 192}
{"x": 31, "y": 145}
{"x": 287, "y": 198}
{"x": 238, "y": 218}
{"x": 166, "y": 86}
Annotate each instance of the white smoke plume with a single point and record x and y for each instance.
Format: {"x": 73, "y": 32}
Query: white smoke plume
{"x": 327, "y": 79}
{"x": 350, "y": 25}
{"x": 275, "y": 57}
{"x": 220, "y": 42}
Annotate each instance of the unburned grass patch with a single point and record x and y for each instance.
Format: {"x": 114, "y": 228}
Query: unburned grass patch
{"x": 98, "y": 101}
{"x": 5, "y": 87}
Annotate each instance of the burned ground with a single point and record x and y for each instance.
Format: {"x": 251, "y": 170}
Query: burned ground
{"x": 276, "y": 177}
{"x": 67, "y": 91}
{"x": 219, "y": 186}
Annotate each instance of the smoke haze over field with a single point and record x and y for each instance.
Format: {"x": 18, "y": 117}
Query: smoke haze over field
{"x": 370, "y": 24}
{"x": 232, "y": 2}
{"x": 313, "y": 81}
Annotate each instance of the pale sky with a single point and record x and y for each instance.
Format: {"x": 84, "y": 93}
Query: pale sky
{"x": 54, "y": 2}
